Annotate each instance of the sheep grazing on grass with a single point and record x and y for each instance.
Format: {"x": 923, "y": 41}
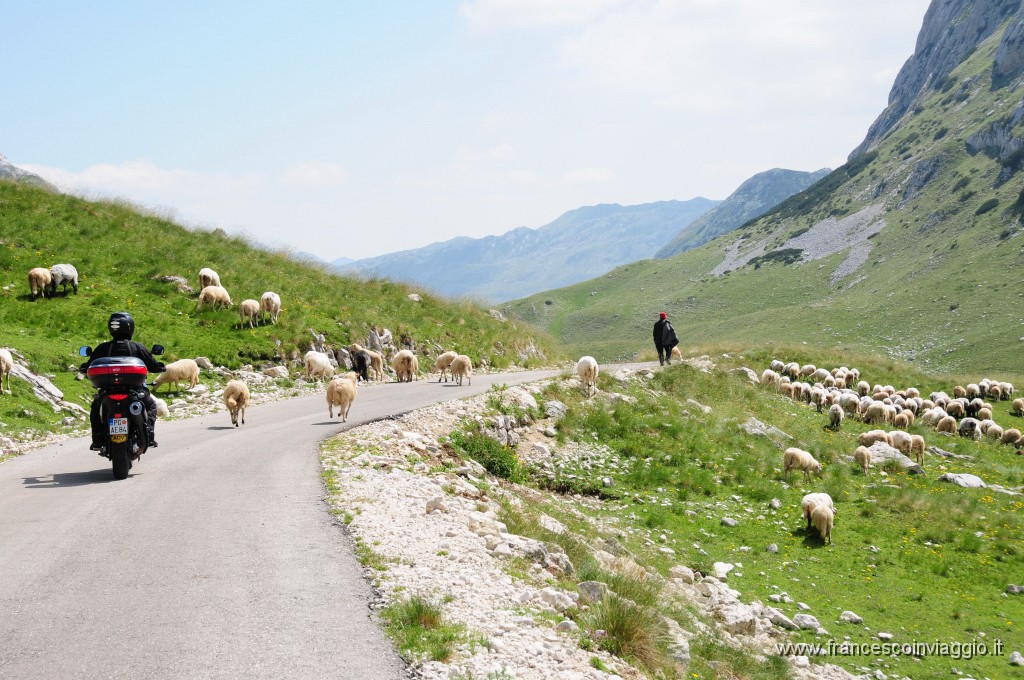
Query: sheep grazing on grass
{"x": 1006, "y": 391}
{"x": 208, "y": 277}
{"x": 442, "y": 364}
{"x": 818, "y": 398}
{"x": 214, "y": 296}
{"x": 798, "y": 459}
{"x": 1017, "y": 407}
{"x": 994, "y": 431}
{"x": 900, "y": 441}
{"x": 777, "y": 366}
{"x": 835, "y": 416}
{"x": 984, "y": 414}
{"x": 406, "y": 365}
{"x": 38, "y": 281}
{"x": 1011, "y": 436}
{"x": 181, "y": 370}
{"x": 871, "y": 436}
{"x": 270, "y": 305}
{"x": 959, "y": 391}
{"x": 874, "y": 413}
{"x": 462, "y": 367}
{"x": 813, "y": 500}
{"x": 917, "y": 447}
{"x": 62, "y": 275}
{"x": 821, "y": 375}
{"x": 248, "y": 311}
{"x": 236, "y": 398}
{"x": 863, "y": 388}
{"x": 341, "y": 392}
{"x": 587, "y": 370}
{"x": 823, "y": 519}
{"x": 6, "y": 365}
{"x": 947, "y": 425}
{"x": 969, "y": 427}
{"x": 863, "y": 457}
{"x": 807, "y": 370}
{"x": 901, "y": 421}
{"x": 956, "y": 408}
{"x": 317, "y": 365}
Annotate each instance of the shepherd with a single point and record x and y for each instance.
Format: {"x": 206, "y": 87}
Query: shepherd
{"x": 664, "y": 338}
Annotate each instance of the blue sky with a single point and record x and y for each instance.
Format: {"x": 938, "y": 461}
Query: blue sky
{"x": 353, "y": 129}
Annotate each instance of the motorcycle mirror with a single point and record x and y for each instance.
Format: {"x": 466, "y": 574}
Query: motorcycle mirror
{"x": 158, "y": 350}
{"x": 84, "y": 351}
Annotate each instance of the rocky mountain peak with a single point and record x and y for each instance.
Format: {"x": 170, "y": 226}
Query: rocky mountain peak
{"x": 12, "y": 173}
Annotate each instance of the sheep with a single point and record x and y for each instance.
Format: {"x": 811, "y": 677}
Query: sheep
{"x": 996, "y": 392}
{"x": 823, "y": 519}
{"x": 874, "y": 413}
{"x": 807, "y": 370}
{"x": 442, "y": 363}
{"x": 900, "y": 441}
{"x": 994, "y": 431}
{"x": 161, "y": 408}
{"x": 248, "y": 310}
{"x": 270, "y": 304}
{"x": 902, "y": 420}
{"x": 587, "y": 370}
{"x": 1017, "y": 407}
{"x": 956, "y": 408}
{"x": 984, "y": 414}
{"x": 6, "y": 365}
{"x": 863, "y": 457}
{"x": 818, "y": 397}
{"x": 777, "y": 366}
{"x": 933, "y": 415}
{"x": 341, "y": 392}
{"x": 835, "y": 416}
{"x": 792, "y": 369}
{"x": 236, "y": 398}
{"x": 769, "y": 377}
{"x": 973, "y": 391}
{"x": 821, "y": 374}
{"x": 208, "y": 277}
{"x": 38, "y": 281}
{"x": 1011, "y": 436}
{"x": 946, "y": 426}
{"x": 871, "y": 436}
{"x": 813, "y": 500}
{"x": 1007, "y": 390}
{"x": 676, "y": 354}
{"x": 317, "y": 365}
{"x": 376, "y": 364}
{"x": 969, "y": 427}
{"x": 361, "y": 364}
{"x": 178, "y": 371}
{"x": 406, "y": 365}
{"x": 62, "y": 275}
{"x": 853, "y": 375}
{"x": 917, "y": 447}
{"x": 461, "y": 367}
{"x": 798, "y": 459}
{"x": 959, "y": 391}
{"x": 215, "y": 296}
{"x": 849, "y": 402}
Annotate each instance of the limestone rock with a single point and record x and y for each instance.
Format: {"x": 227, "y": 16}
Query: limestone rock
{"x": 721, "y": 569}
{"x": 592, "y": 591}
{"x": 684, "y": 574}
{"x": 882, "y": 453}
{"x": 436, "y": 503}
{"x": 963, "y": 479}
{"x": 756, "y": 427}
{"x": 806, "y": 622}
{"x": 850, "y": 617}
{"x": 414, "y": 297}
{"x": 781, "y": 620}
{"x": 276, "y": 372}
{"x": 729, "y": 522}
{"x": 1016, "y": 659}
{"x": 204, "y": 362}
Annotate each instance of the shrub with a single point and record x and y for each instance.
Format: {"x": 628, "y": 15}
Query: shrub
{"x": 496, "y": 458}
{"x": 632, "y": 632}
{"x": 418, "y": 628}
{"x": 988, "y": 205}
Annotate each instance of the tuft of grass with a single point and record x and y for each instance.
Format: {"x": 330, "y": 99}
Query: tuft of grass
{"x": 419, "y": 630}
{"x": 498, "y": 459}
{"x": 630, "y": 631}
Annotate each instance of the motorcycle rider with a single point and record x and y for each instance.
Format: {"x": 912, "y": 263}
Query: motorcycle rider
{"x": 122, "y": 327}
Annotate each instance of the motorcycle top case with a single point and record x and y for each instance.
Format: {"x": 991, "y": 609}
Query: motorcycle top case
{"x": 117, "y": 371}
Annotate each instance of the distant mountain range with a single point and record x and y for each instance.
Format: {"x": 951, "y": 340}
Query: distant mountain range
{"x": 580, "y": 244}
{"x": 753, "y": 198}
{"x": 13, "y": 173}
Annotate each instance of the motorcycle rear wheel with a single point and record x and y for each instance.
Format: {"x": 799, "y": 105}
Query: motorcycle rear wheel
{"x": 119, "y": 457}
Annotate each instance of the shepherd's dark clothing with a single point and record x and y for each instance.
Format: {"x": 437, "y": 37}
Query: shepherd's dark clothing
{"x": 664, "y": 340}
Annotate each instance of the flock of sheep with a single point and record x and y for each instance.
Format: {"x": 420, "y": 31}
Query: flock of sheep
{"x": 214, "y": 295}
{"x": 841, "y": 390}
{"x": 43, "y": 282}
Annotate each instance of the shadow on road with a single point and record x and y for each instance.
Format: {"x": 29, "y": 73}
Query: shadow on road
{"x": 69, "y": 479}
{"x": 221, "y": 427}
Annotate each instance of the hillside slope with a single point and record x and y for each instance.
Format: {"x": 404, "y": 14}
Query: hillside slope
{"x": 913, "y": 249}
{"x": 13, "y": 173}
{"x": 753, "y": 198}
{"x": 121, "y": 256}
{"x": 578, "y": 245}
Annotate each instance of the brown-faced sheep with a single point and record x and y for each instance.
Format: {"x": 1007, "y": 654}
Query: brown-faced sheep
{"x": 178, "y": 371}
{"x": 406, "y": 365}
{"x": 341, "y": 392}
{"x": 462, "y": 367}
{"x": 798, "y": 459}
{"x": 39, "y": 280}
{"x": 236, "y": 398}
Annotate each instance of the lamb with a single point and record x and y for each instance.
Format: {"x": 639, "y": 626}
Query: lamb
{"x": 317, "y": 365}
{"x": 270, "y": 304}
{"x": 208, "y": 277}
{"x": 863, "y": 457}
{"x": 835, "y": 416}
{"x": 406, "y": 365}
{"x": 215, "y": 296}
{"x": 813, "y": 500}
{"x": 970, "y": 427}
{"x": 341, "y": 392}
{"x": 676, "y": 354}
{"x": 1017, "y": 407}
{"x": 900, "y": 441}
{"x": 62, "y": 275}
{"x": 1011, "y": 436}
{"x": 947, "y": 425}
{"x": 587, "y": 370}
{"x": 248, "y": 310}
{"x": 161, "y": 408}
{"x": 38, "y": 281}
{"x": 823, "y": 519}
{"x": 462, "y": 367}
{"x": 6, "y": 365}
{"x": 178, "y": 371}
{"x": 798, "y": 459}
{"x": 871, "y": 436}
{"x": 917, "y": 447}
{"x": 443, "y": 362}
{"x": 236, "y": 398}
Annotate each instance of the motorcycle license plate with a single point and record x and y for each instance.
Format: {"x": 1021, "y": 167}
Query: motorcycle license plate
{"x": 118, "y": 426}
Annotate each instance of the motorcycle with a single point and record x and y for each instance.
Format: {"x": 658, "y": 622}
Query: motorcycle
{"x": 121, "y": 383}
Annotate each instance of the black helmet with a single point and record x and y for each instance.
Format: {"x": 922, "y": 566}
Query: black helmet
{"x": 121, "y": 326}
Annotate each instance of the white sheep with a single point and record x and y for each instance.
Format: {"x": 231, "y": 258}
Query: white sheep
{"x": 461, "y": 367}
{"x": 813, "y": 500}
{"x": 900, "y": 441}
{"x": 317, "y": 365}
{"x": 178, "y": 371}
{"x": 38, "y": 281}
{"x": 769, "y": 377}
{"x": 1011, "y": 436}
{"x": 798, "y": 459}
{"x": 406, "y": 365}
{"x": 863, "y": 457}
{"x": 1017, "y": 407}
{"x": 821, "y": 374}
{"x": 676, "y": 354}
{"x": 835, "y": 416}
{"x": 1006, "y": 390}
{"x": 823, "y": 519}
{"x": 874, "y": 413}
{"x": 341, "y": 392}
{"x": 777, "y": 366}
{"x": 994, "y": 431}
{"x": 215, "y": 296}
{"x": 270, "y": 304}
{"x": 62, "y": 275}
{"x": 6, "y": 365}
{"x": 208, "y": 277}
{"x": 248, "y": 311}
{"x": 236, "y": 398}
{"x": 442, "y": 364}
{"x": 587, "y": 370}
{"x": 161, "y": 408}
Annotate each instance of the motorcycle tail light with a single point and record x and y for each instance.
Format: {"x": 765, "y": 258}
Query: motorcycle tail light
{"x": 118, "y": 397}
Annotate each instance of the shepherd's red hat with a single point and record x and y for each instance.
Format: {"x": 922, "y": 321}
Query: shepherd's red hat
{"x": 664, "y": 315}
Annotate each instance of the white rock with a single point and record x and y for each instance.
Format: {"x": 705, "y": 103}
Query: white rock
{"x": 204, "y": 362}
{"x": 437, "y": 503}
{"x": 414, "y": 297}
{"x": 806, "y": 622}
{"x": 276, "y": 372}
{"x": 1017, "y": 659}
{"x": 850, "y": 617}
{"x": 885, "y": 636}
{"x": 963, "y": 479}
{"x": 721, "y": 569}
{"x": 684, "y": 574}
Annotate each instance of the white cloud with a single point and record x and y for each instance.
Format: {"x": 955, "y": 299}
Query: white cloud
{"x": 589, "y": 176}
{"x": 504, "y": 14}
{"x": 315, "y": 174}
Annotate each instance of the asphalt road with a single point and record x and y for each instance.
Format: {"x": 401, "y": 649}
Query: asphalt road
{"x": 216, "y": 558}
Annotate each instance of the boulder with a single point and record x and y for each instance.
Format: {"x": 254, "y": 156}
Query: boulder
{"x": 781, "y": 620}
{"x": 806, "y": 622}
{"x": 850, "y": 617}
{"x": 756, "y": 427}
{"x": 204, "y": 362}
{"x": 963, "y": 479}
{"x": 882, "y": 453}
{"x": 276, "y": 372}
